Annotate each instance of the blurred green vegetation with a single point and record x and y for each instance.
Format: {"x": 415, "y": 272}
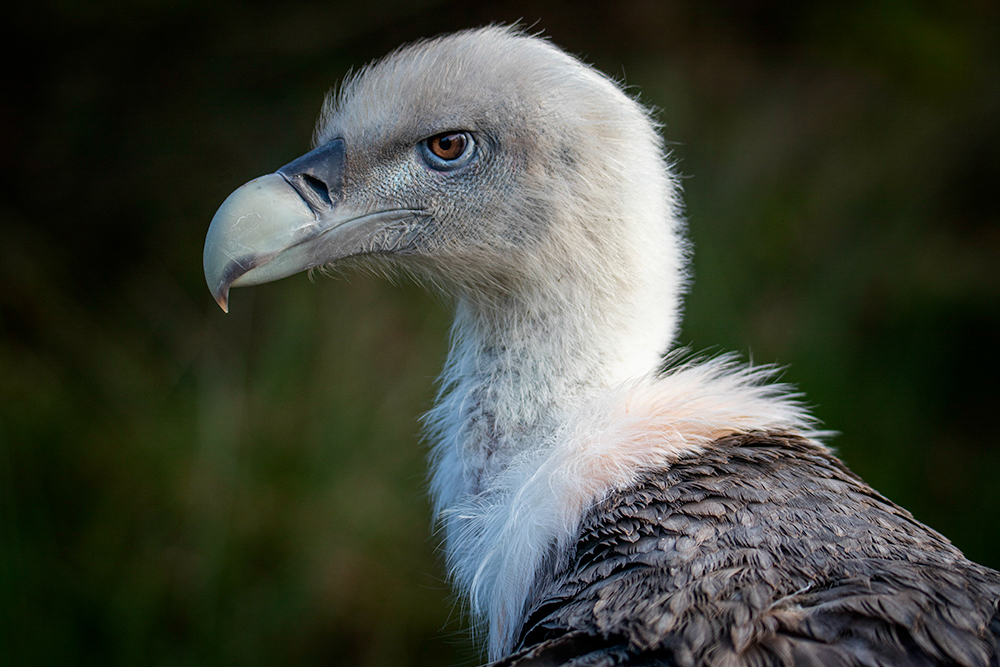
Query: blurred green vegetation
{"x": 182, "y": 487}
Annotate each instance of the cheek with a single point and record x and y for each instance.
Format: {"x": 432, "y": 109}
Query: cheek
{"x": 395, "y": 185}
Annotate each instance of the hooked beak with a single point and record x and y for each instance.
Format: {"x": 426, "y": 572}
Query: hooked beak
{"x": 290, "y": 221}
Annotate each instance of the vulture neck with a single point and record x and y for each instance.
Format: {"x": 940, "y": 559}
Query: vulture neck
{"x": 521, "y": 364}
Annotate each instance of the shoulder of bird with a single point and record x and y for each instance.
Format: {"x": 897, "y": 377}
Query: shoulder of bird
{"x": 764, "y": 550}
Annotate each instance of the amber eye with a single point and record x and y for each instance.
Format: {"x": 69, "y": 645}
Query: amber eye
{"x": 448, "y": 146}
{"x": 447, "y": 151}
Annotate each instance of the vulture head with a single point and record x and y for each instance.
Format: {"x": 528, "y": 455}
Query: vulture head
{"x": 492, "y": 165}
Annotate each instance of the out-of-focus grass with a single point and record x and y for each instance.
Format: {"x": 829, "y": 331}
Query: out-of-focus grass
{"x": 233, "y": 489}
{"x": 179, "y": 486}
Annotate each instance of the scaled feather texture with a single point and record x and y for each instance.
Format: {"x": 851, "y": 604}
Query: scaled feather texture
{"x": 596, "y": 509}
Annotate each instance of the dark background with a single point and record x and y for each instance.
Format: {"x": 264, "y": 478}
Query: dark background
{"x": 182, "y": 487}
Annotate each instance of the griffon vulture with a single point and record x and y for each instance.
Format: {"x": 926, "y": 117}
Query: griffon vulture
{"x": 597, "y": 509}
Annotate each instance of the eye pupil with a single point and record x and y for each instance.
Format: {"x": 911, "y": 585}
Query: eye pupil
{"x": 448, "y": 146}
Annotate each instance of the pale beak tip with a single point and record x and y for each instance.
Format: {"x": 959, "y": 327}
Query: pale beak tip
{"x": 222, "y": 298}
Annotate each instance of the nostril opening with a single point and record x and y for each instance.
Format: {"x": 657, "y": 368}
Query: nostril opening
{"x": 318, "y": 176}
{"x": 318, "y": 188}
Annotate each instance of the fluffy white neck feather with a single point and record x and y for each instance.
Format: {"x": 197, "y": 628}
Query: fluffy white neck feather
{"x": 524, "y": 446}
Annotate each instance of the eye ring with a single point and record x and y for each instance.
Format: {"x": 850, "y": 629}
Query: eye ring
{"x": 447, "y": 151}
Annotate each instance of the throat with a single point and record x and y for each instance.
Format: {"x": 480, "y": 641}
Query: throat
{"x": 514, "y": 375}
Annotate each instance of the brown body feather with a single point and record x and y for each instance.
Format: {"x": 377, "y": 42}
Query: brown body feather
{"x": 764, "y": 550}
